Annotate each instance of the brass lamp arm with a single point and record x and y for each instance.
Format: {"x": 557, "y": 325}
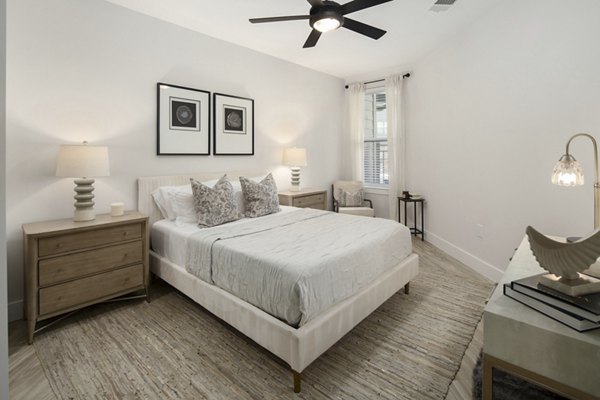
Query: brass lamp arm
{"x": 595, "y": 151}
{"x": 596, "y": 183}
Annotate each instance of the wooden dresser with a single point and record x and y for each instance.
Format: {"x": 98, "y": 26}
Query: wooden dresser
{"x": 305, "y": 198}
{"x": 70, "y": 265}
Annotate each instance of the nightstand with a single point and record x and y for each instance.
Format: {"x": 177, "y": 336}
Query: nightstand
{"x": 526, "y": 343}
{"x": 305, "y": 198}
{"x": 70, "y": 265}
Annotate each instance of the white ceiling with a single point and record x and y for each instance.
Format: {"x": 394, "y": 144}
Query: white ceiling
{"x": 412, "y": 30}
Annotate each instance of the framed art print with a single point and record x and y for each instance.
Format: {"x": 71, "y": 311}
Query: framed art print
{"x": 233, "y": 125}
{"x": 183, "y": 121}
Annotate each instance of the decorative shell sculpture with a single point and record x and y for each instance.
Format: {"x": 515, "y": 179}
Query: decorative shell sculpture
{"x": 564, "y": 259}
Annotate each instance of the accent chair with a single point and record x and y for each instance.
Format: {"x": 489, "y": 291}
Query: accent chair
{"x": 364, "y": 209}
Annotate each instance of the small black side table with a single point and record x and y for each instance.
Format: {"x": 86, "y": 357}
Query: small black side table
{"x": 420, "y": 200}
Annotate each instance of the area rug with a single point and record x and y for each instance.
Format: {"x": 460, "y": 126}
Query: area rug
{"x": 171, "y": 348}
{"x": 509, "y": 387}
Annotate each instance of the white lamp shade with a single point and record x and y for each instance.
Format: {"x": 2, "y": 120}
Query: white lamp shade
{"x": 76, "y": 161}
{"x": 294, "y": 157}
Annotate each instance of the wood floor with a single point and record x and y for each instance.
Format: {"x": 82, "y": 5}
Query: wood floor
{"x": 26, "y": 376}
{"x": 28, "y": 381}
{"x": 462, "y": 385}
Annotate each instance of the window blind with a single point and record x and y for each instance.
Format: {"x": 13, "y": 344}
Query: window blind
{"x": 375, "y": 167}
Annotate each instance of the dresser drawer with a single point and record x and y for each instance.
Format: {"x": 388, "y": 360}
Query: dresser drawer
{"x": 306, "y": 201}
{"x": 83, "y": 240}
{"x": 64, "y": 268}
{"x": 75, "y": 293}
{"x": 315, "y": 206}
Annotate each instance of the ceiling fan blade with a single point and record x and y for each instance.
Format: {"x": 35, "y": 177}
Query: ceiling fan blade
{"x": 278, "y": 19}
{"x": 315, "y": 3}
{"x": 363, "y": 29}
{"x": 358, "y": 5}
{"x": 312, "y": 39}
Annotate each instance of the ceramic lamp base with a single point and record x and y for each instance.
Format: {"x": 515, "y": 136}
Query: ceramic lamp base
{"x": 295, "y": 179}
{"x": 84, "y": 196}
{"x": 573, "y": 287}
{"x": 84, "y": 215}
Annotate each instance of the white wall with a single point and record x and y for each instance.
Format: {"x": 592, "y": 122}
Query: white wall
{"x": 489, "y": 115}
{"x": 3, "y": 276}
{"x": 88, "y": 69}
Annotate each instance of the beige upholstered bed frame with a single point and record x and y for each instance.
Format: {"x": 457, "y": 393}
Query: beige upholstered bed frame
{"x": 298, "y": 347}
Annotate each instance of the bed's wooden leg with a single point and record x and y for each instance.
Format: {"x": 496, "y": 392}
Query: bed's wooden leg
{"x": 407, "y": 288}
{"x": 297, "y": 381}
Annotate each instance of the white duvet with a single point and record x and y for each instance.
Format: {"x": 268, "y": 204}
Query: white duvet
{"x": 296, "y": 264}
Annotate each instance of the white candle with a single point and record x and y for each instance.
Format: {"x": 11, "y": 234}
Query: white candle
{"x": 116, "y": 209}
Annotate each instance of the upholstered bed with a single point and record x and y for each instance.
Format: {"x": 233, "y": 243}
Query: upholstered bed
{"x": 295, "y": 282}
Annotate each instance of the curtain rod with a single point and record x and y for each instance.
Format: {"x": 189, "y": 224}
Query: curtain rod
{"x": 407, "y": 75}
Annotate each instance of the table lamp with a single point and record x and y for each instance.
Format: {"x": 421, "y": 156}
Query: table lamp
{"x": 83, "y": 162}
{"x": 295, "y": 157}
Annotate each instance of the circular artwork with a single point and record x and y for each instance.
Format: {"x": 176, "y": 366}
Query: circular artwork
{"x": 183, "y": 114}
{"x": 234, "y": 120}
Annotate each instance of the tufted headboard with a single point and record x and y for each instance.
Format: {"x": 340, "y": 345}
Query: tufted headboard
{"x": 146, "y": 185}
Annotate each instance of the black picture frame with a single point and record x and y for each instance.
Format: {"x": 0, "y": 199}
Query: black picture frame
{"x": 233, "y": 125}
{"x": 185, "y": 127}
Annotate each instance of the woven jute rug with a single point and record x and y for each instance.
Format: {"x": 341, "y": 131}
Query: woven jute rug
{"x": 171, "y": 348}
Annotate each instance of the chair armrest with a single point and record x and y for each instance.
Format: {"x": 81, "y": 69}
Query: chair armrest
{"x": 336, "y": 207}
{"x": 368, "y": 201}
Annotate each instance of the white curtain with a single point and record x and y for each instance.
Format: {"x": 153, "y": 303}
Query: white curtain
{"x": 396, "y": 141}
{"x": 355, "y": 120}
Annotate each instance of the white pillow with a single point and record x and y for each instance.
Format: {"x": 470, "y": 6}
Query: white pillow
{"x": 178, "y": 202}
{"x": 161, "y": 203}
{"x": 182, "y": 203}
{"x": 163, "y": 197}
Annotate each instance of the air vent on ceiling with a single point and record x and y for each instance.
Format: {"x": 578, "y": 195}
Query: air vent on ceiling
{"x": 442, "y": 5}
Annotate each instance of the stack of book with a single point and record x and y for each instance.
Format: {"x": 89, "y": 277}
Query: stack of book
{"x": 580, "y": 313}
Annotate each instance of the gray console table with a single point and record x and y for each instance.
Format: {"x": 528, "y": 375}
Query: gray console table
{"x": 528, "y": 344}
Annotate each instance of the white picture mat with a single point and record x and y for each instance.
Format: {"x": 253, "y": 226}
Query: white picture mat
{"x": 176, "y": 141}
{"x": 233, "y": 143}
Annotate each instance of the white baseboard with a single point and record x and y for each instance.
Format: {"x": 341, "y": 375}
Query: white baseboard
{"x": 15, "y": 310}
{"x": 475, "y": 263}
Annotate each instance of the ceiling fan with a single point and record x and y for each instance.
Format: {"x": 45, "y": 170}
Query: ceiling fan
{"x": 326, "y": 16}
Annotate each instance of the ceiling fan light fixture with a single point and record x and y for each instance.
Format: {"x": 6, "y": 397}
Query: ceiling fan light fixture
{"x": 327, "y": 17}
{"x": 326, "y": 24}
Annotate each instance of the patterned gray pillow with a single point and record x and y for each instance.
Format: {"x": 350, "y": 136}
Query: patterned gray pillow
{"x": 261, "y": 197}
{"x": 351, "y": 199}
{"x": 216, "y": 205}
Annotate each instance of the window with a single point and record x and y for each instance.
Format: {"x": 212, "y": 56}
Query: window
{"x": 375, "y": 165}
